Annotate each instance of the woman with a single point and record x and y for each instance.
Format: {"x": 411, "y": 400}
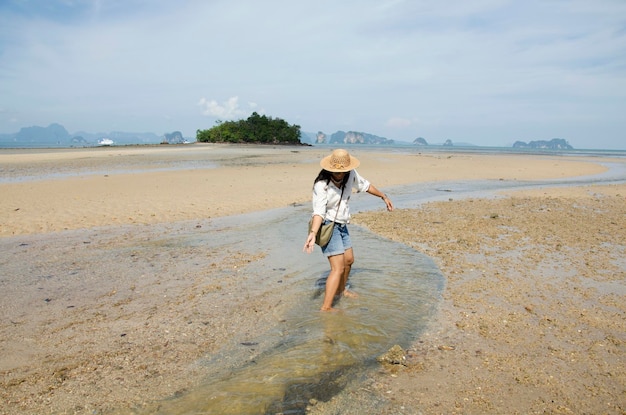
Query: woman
{"x": 331, "y": 193}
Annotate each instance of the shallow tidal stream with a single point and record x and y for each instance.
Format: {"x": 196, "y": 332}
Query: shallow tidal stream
{"x": 310, "y": 354}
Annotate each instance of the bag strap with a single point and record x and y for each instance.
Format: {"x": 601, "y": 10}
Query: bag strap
{"x": 339, "y": 205}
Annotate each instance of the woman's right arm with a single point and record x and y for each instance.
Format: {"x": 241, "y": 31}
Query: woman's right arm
{"x": 320, "y": 198}
{"x": 310, "y": 239}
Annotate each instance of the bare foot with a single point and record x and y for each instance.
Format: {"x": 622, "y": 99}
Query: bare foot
{"x": 331, "y": 309}
{"x": 350, "y": 294}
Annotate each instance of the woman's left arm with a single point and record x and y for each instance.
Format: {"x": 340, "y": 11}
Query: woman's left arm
{"x": 375, "y": 192}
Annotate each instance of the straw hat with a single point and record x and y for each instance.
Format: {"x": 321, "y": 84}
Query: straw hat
{"x": 339, "y": 161}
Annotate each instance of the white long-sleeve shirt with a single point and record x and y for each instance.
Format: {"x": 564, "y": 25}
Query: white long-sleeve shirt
{"x": 326, "y": 196}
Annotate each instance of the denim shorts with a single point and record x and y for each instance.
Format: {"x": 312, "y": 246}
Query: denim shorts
{"x": 339, "y": 242}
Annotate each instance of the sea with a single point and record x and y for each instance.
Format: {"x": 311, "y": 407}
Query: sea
{"x": 396, "y": 147}
{"x": 6, "y": 142}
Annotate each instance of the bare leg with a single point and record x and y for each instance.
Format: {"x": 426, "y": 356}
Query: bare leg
{"x": 348, "y": 260}
{"x": 333, "y": 281}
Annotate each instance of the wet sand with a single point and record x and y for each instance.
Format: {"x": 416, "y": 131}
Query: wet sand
{"x": 532, "y": 318}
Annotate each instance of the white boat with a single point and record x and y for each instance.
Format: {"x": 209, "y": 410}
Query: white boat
{"x": 105, "y": 142}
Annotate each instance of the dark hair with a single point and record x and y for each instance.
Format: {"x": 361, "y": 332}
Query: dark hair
{"x": 326, "y": 175}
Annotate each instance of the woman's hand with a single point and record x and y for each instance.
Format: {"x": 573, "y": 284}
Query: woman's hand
{"x": 388, "y": 203}
{"x": 310, "y": 240}
{"x": 375, "y": 192}
{"x": 309, "y": 244}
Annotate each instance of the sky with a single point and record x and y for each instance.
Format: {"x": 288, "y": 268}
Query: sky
{"x": 486, "y": 72}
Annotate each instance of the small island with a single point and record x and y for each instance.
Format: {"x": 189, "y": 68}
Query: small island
{"x": 554, "y": 144}
{"x": 258, "y": 129}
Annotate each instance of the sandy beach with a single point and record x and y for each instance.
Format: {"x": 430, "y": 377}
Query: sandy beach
{"x": 533, "y": 316}
{"x": 136, "y": 185}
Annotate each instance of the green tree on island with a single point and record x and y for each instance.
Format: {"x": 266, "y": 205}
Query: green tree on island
{"x": 256, "y": 129}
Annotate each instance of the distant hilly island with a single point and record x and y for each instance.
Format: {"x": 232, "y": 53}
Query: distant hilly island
{"x": 55, "y": 135}
{"x": 353, "y": 137}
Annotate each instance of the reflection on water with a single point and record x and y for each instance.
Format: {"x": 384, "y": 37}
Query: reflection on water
{"x": 311, "y": 354}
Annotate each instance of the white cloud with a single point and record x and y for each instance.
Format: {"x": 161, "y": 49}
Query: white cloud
{"x": 227, "y": 110}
